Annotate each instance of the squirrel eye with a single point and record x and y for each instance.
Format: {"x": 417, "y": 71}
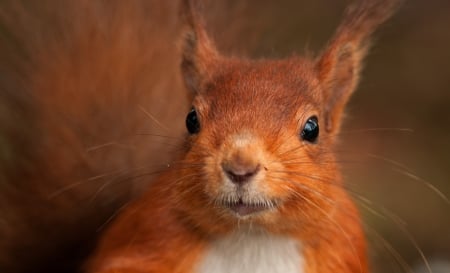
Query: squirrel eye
{"x": 192, "y": 122}
{"x": 310, "y": 131}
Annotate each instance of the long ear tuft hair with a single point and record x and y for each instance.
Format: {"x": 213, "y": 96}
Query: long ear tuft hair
{"x": 198, "y": 53}
{"x": 339, "y": 65}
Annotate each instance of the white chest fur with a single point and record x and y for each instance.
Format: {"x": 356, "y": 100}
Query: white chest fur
{"x": 253, "y": 252}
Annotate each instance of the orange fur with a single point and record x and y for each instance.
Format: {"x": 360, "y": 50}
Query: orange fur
{"x": 77, "y": 79}
{"x": 178, "y": 211}
{"x": 81, "y": 79}
{"x": 251, "y": 114}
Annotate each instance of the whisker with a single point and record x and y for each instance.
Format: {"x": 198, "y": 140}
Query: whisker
{"x": 116, "y": 212}
{"x": 153, "y": 118}
{"x": 108, "y": 183}
{"x": 379, "y": 129}
{"x": 426, "y": 183}
{"x": 401, "y": 224}
{"x": 315, "y": 178}
{"x": 288, "y": 162}
{"x": 417, "y": 248}
{"x": 336, "y": 224}
{"x": 350, "y": 132}
{"x": 302, "y": 186}
{"x": 384, "y": 214}
{"x": 389, "y": 160}
{"x": 398, "y": 258}
{"x": 404, "y": 170}
{"x": 80, "y": 182}
{"x": 108, "y": 144}
{"x": 158, "y": 135}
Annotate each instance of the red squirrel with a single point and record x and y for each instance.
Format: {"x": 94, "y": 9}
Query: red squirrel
{"x": 257, "y": 187}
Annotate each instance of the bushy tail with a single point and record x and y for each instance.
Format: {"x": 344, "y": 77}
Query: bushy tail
{"x": 86, "y": 87}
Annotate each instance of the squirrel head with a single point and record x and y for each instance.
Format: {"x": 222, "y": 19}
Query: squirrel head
{"x": 262, "y": 131}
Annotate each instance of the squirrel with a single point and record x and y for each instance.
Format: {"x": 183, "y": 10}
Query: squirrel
{"x": 256, "y": 187}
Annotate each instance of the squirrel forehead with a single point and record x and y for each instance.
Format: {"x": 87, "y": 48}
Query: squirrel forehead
{"x": 261, "y": 97}
{"x": 262, "y": 86}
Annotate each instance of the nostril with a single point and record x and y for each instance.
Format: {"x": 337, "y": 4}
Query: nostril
{"x": 240, "y": 174}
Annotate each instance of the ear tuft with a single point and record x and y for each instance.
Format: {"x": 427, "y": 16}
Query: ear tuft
{"x": 198, "y": 52}
{"x": 339, "y": 65}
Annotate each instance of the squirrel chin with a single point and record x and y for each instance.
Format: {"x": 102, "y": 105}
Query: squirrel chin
{"x": 244, "y": 209}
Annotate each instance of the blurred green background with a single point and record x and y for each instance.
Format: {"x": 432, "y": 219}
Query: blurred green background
{"x": 396, "y": 137}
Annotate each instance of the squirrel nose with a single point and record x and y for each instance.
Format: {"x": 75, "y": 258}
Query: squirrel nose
{"x": 240, "y": 174}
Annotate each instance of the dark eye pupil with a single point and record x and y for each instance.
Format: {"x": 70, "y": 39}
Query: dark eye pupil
{"x": 192, "y": 122}
{"x": 311, "y": 130}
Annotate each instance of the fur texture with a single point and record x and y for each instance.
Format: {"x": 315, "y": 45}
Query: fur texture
{"x": 188, "y": 219}
{"x": 82, "y": 81}
{"x": 252, "y": 251}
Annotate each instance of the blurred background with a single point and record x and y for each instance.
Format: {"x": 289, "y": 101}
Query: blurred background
{"x": 396, "y": 137}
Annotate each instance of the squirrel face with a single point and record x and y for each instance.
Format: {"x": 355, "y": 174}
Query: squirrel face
{"x": 249, "y": 139}
{"x": 256, "y": 149}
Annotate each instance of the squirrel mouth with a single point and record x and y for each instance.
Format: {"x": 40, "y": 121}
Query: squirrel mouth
{"x": 247, "y": 208}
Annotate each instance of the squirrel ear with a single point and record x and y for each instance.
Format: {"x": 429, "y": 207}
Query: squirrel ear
{"x": 339, "y": 65}
{"x": 198, "y": 53}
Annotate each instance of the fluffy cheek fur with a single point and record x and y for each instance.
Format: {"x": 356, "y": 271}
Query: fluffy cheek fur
{"x": 290, "y": 175}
